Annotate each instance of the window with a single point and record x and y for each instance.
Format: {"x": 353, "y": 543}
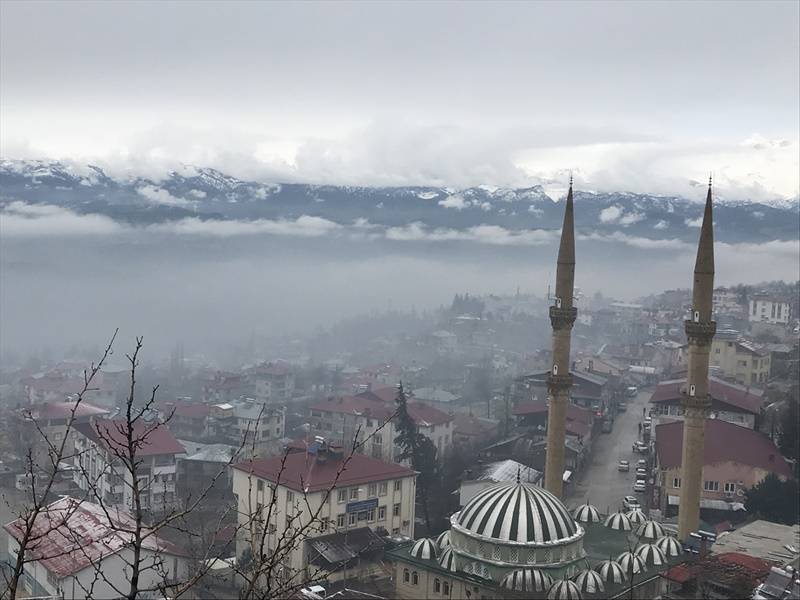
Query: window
{"x": 371, "y": 515}
{"x": 260, "y": 485}
{"x": 372, "y": 491}
{"x": 290, "y": 496}
{"x": 378, "y": 439}
{"x": 711, "y": 486}
{"x": 52, "y": 579}
{"x": 730, "y": 487}
{"x": 381, "y": 513}
{"x": 414, "y": 578}
{"x": 369, "y": 422}
{"x": 341, "y": 496}
{"x": 354, "y": 493}
{"x": 340, "y": 520}
{"x": 383, "y": 487}
{"x": 437, "y": 586}
{"x": 676, "y": 482}
{"x": 351, "y": 518}
{"x": 716, "y": 351}
{"x": 398, "y": 485}
{"x": 395, "y": 530}
{"x": 396, "y": 510}
{"x": 446, "y": 588}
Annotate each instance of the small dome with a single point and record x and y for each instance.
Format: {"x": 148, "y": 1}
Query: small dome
{"x": 527, "y": 580}
{"x": 517, "y": 512}
{"x": 618, "y": 521}
{"x": 669, "y": 546}
{"x": 443, "y": 541}
{"x": 650, "y": 530}
{"x": 636, "y": 516}
{"x": 611, "y": 571}
{"x": 448, "y": 560}
{"x": 631, "y": 563}
{"x": 424, "y": 548}
{"x": 651, "y": 555}
{"x": 589, "y": 582}
{"x": 586, "y": 513}
{"x": 564, "y": 590}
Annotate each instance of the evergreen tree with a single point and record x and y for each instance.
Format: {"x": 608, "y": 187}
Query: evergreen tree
{"x": 773, "y": 500}
{"x": 790, "y": 431}
{"x": 419, "y": 451}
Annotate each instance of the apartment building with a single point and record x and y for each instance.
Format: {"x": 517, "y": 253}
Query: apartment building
{"x": 98, "y": 448}
{"x": 272, "y": 382}
{"x": 768, "y": 309}
{"x": 346, "y": 499}
{"x": 740, "y": 360}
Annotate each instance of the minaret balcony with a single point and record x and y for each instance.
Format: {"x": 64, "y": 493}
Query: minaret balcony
{"x": 557, "y": 383}
{"x": 702, "y": 403}
{"x": 563, "y": 318}
{"x": 700, "y": 331}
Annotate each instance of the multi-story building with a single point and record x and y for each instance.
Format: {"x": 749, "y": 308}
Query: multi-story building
{"x": 726, "y": 301}
{"x": 764, "y": 308}
{"x": 325, "y": 492}
{"x": 340, "y": 419}
{"x": 739, "y": 359}
{"x": 729, "y": 402}
{"x": 272, "y": 383}
{"x": 77, "y": 539}
{"x": 100, "y": 447}
{"x": 735, "y": 458}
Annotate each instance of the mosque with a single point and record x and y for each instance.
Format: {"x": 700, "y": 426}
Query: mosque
{"x": 517, "y": 540}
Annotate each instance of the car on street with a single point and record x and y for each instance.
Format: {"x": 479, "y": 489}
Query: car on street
{"x": 639, "y": 486}
{"x": 640, "y": 447}
{"x": 641, "y": 472}
{"x": 630, "y": 502}
{"x": 624, "y": 465}
{"x": 641, "y": 463}
{"x": 632, "y": 391}
{"x": 622, "y": 406}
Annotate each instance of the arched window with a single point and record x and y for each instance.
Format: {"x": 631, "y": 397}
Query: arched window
{"x": 446, "y": 588}
{"x": 437, "y": 585}
{"x": 414, "y": 578}
{"x": 405, "y": 575}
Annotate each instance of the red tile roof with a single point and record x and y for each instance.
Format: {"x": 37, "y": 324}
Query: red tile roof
{"x": 746, "y": 399}
{"x": 302, "y": 470}
{"x": 577, "y": 428}
{"x": 68, "y": 519}
{"x": 190, "y": 410}
{"x": 387, "y": 393}
{"x": 725, "y": 442}
{"x": 425, "y": 415}
{"x": 62, "y": 410}
{"x": 111, "y": 434}
{"x": 574, "y": 413}
{"x": 715, "y": 566}
{"x": 472, "y": 426}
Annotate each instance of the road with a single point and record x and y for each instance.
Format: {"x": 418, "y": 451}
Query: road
{"x": 600, "y": 483}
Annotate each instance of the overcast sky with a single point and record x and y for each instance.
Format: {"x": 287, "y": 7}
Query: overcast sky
{"x": 638, "y": 96}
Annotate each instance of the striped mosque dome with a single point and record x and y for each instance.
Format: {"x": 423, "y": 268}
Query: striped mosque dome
{"x": 518, "y": 512}
{"x": 424, "y": 548}
{"x": 443, "y": 541}
{"x": 448, "y": 560}
{"x": 527, "y": 580}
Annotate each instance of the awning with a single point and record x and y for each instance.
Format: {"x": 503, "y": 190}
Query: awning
{"x": 341, "y": 547}
{"x": 706, "y": 503}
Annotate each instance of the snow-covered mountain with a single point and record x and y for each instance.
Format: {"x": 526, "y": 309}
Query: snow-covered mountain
{"x": 209, "y": 194}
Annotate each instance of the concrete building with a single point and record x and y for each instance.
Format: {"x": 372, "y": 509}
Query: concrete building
{"x": 700, "y": 329}
{"x": 730, "y": 402}
{"x": 65, "y": 569}
{"x": 100, "y": 447}
{"x": 734, "y": 459}
{"x": 272, "y": 383}
{"x": 762, "y": 539}
{"x": 346, "y": 493}
{"x": 764, "y": 308}
{"x": 740, "y": 360}
{"x": 559, "y": 381}
{"x": 726, "y": 301}
{"x": 477, "y": 479}
{"x": 340, "y": 419}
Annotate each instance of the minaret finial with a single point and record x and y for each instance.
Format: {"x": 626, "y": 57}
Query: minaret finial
{"x": 518, "y": 473}
{"x": 710, "y": 177}
{"x": 570, "y": 179}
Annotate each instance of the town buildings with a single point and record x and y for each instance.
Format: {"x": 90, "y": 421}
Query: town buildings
{"x": 729, "y": 402}
{"x": 76, "y": 540}
{"x": 765, "y": 308}
{"x": 100, "y": 448}
{"x": 338, "y": 493}
{"x": 740, "y": 360}
{"x": 734, "y": 459}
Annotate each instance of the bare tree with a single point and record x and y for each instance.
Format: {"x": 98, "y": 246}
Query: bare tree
{"x": 35, "y": 523}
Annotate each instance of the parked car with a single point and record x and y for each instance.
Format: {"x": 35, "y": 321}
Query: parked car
{"x": 640, "y": 485}
{"x": 608, "y": 425}
{"x": 642, "y": 462}
{"x": 642, "y": 472}
{"x": 632, "y": 391}
{"x": 630, "y": 502}
{"x": 622, "y": 406}
{"x": 640, "y": 447}
{"x": 624, "y": 465}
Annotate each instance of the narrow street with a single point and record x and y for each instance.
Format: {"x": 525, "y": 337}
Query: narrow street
{"x": 601, "y": 483}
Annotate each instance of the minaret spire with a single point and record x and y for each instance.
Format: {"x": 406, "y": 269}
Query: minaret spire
{"x": 562, "y": 318}
{"x": 700, "y": 330}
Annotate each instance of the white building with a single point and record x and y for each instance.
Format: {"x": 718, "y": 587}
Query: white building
{"x": 98, "y": 448}
{"x": 766, "y": 309}
{"x": 726, "y": 301}
{"x": 66, "y": 569}
{"x": 368, "y": 493}
{"x": 273, "y": 383}
{"x": 503, "y": 471}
